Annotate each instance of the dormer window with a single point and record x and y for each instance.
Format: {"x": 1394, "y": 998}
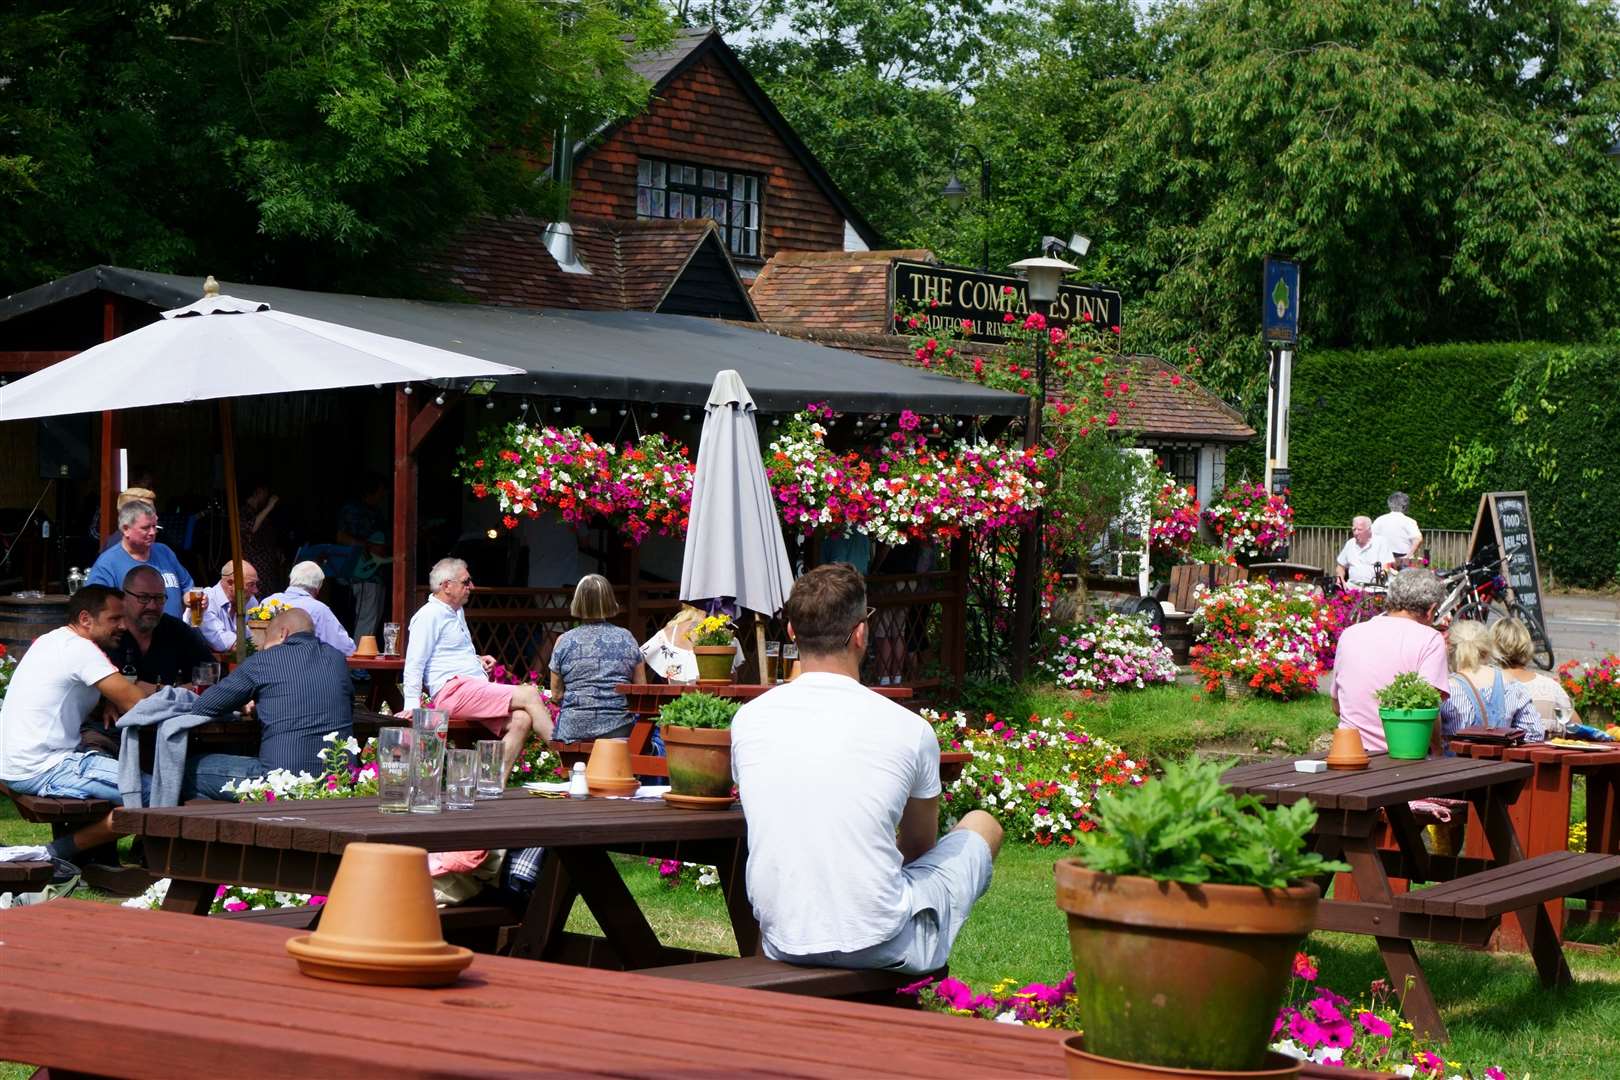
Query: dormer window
{"x": 672, "y": 189}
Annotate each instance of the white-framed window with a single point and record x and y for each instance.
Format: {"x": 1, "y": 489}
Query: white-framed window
{"x": 675, "y": 189}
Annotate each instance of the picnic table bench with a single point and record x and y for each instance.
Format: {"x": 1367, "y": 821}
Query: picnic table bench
{"x": 1475, "y": 892}
{"x": 71, "y": 815}
{"x": 25, "y": 876}
{"x": 186, "y": 997}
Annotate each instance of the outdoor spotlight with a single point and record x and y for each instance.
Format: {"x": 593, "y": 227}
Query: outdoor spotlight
{"x": 490, "y": 404}
{"x": 491, "y": 534}
{"x": 593, "y": 408}
{"x": 1079, "y": 244}
{"x": 623, "y": 410}
{"x": 687, "y": 415}
{"x": 775, "y": 422}
{"x": 655, "y": 412}
{"x": 556, "y": 406}
{"x": 438, "y": 399}
{"x": 407, "y": 388}
{"x": 954, "y": 191}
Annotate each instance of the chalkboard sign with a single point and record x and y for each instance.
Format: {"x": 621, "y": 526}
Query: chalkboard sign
{"x": 1504, "y": 520}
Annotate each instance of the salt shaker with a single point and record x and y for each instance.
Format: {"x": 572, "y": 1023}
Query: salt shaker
{"x": 577, "y": 788}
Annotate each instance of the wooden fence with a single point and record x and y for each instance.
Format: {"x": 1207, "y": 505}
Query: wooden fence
{"x": 1318, "y": 545}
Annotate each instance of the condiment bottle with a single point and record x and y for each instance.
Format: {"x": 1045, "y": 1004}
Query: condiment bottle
{"x": 577, "y": 787}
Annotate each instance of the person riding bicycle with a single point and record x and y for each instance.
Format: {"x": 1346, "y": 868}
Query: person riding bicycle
{"x": 1364, "y": 555}
{"x": 1399, "y": 531}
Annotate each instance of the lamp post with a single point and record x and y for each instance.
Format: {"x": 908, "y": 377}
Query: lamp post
{"x": 956, "y": 192}
{"x": 1043, "y": 275}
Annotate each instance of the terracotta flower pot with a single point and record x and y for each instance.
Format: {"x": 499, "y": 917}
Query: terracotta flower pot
{"x": 1088, "y": 1066}
{"x": 1348, "y": 751}
{"x": 609, "y": 760}
{"x": 366, "y": 646}
{"x": 1186, "y": 976}
{"x": 714, "y": 662}
{"x": 699, "y": 761}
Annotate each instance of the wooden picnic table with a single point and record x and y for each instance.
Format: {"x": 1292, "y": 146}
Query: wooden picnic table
{"x": 1352, "y": 807}
{"x": 296, "y": 847}
{"x": 1540, "y": 813}
{"x": 185, "y": 997}
{"x": 386, "y": 673}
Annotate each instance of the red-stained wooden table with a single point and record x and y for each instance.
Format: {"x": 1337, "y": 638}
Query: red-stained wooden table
{"x": 386, "y": 673}
{"x": 173, "y": 996}
{"x": 1540, "y": 814}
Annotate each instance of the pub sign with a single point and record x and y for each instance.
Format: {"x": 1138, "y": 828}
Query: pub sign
{"x": 944, "y": 297}
{"x": 1279, "y": 300}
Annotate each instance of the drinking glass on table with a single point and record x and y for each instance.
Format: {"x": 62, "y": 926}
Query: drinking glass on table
{"x": 1563, "y": 720}
{"x": 460, "y": 779}
{"x": 205, "y": 675}
{"x": 491, "y": 777}
{"x": 394, "y": 769}
{"x": 390, "y": 639}
{"x": 790, "y": 658}
{"x": 427, "y": 773}
{"x": 773, "y": 660}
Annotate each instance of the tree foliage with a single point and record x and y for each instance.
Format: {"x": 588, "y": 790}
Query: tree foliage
{"x": 287, "y": 137}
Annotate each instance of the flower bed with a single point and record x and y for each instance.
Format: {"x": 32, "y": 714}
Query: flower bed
{"x": 1175, "y": 517}
{"x": 8, "y": 664}
{"x": 1250, "y": 522}
{"x": 1592, "y": 685}
{"x": 1039, "y": 780}
{"x": 1267, "y": 637}
{"x": 1112, "y": 652}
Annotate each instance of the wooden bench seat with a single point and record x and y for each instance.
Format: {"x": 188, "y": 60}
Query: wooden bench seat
{"x": 760, "y": 973}
{"x": 62, "y": 815}
{"x": 25, "y": 876}
{"x": 1513, "y": 887}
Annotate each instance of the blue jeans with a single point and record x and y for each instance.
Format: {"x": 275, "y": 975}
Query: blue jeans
{"x": 79, "y": 775}
{"x": 207, "y": 774}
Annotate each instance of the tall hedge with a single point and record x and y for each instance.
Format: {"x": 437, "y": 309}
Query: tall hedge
{"x": 1447, "y": 422}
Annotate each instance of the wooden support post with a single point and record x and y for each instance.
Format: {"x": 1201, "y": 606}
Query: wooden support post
{"x": 227, "y": 437}
{"x": 112, "y": 324}
{"x": 404, "y": 492}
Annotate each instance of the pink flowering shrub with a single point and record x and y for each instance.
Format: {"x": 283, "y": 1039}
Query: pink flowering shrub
{"x": 1175, "y": 517}
{"x": 1250, "y": 522}
{"x": 1110, "y": 652}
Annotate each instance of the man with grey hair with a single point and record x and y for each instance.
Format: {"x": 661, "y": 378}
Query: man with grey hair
{"x": 440, "y": 658}
{"x": 1398, "y": 530}
{"x": 303, "y": 583}
{"x": 1364, "y": 554}
{"x": 1372, "y": 653}
{"x": 138, "y": 546}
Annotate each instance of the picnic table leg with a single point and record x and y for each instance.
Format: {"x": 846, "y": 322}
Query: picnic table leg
{"x": 1400, "y": 956}
{"x": 730, "y": 859}
{"x": 1603, "y": 826}
{"x": 549, "y": 905}
{"x": 1534, "y": 922}
{"x": 190, "y": 897}
{"x": 616, "y": 911}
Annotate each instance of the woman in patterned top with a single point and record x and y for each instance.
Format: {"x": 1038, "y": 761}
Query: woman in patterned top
{"x": 589, "y": 661}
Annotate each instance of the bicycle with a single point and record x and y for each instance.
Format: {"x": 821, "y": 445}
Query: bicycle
{"x": 1476, "y": 590}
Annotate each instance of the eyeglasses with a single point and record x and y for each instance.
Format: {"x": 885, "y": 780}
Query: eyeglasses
{"x": 146, "y": 597}
{"x": 851, "y": 636}
{"x": 464, "y": 581}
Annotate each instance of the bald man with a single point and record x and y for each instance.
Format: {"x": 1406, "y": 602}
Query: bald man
{"x": 219, "y": 617}
{"x": 301, "y": 692}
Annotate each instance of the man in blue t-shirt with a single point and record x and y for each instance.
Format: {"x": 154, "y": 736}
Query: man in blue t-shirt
{"x": 139, "y": 546}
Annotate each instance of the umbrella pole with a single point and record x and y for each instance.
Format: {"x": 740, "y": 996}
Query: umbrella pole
{"x": 759, "y": 648}
{"x": 234, "y": 509}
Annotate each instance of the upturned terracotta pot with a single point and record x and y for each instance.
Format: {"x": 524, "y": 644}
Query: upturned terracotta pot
{"x": 1088, "y": 1066}
{"x": 699, "y": 761}
{"x": 1185, "y": 976}
{"x": 609, "y": 760}
{"x": 714, "y": 662}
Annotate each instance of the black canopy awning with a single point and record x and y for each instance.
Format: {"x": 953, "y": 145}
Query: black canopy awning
{"x": 611, "y": 355}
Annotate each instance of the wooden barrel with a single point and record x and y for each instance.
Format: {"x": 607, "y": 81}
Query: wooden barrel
{"x": 24, "y": 618}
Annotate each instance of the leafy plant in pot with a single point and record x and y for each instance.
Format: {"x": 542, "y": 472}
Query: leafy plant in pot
{"x": 1408, "y": 708}
{"x": 715, "y": 645}
{"x": 1186, "y": 906}
{"x": 697, "y": 740}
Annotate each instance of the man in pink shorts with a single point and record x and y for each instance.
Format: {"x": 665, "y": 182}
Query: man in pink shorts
{"x": 440, "y": 657}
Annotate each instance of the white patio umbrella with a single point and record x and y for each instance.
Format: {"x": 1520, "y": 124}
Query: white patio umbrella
{"x": 221, "y": 348}
{"x": 734, "y": 543}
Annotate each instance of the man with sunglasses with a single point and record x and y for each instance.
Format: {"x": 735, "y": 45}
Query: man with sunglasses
{"x": 840, "y": 787}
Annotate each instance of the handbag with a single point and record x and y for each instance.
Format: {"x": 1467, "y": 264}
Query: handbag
{"x": 1482, "y": 733}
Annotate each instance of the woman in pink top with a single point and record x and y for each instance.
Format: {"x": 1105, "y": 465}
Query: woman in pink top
{"x": 1372, "y": 653}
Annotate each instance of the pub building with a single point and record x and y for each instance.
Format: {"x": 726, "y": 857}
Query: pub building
{"x": 689, "y": 247}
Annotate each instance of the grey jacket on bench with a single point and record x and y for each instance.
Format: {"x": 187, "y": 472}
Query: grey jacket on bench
{"x": 169, "y": 710}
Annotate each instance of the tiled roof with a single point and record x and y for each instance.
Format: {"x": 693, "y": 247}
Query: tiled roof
{"x": 832, "y": 291}
{"x": 504, "y": 261}
{"x": 841, "y": 299}
{"x": 655, "y": 66}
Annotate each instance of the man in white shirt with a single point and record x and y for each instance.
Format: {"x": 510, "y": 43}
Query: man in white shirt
{"x": 440, "y": 658}
{"x": 219, "y": 617}
{"x": 1398, "y": 530}
{"x": 1363, "y": 554}
{"x": 64, "y": 674}
{"x": 840, "y": 788}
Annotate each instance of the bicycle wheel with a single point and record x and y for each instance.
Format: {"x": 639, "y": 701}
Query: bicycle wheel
{"x": 1540, "y": 644}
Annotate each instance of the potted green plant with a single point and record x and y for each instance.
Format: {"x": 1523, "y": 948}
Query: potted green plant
{"x": 715, "y": 645}
{"x": 1186, "y": 906}
{"x": 697, "y": 741}
{"x": 1408, "y": 708}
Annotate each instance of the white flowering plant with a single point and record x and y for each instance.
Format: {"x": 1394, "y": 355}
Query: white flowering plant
{"x": 1040, "y": 779}
{"x": 1112, "y": 652}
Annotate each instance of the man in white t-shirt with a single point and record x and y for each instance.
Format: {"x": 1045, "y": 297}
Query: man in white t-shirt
{"x": 1398, "y": 530}
{"x": 840, "y": 788}
{"x": 1363, "y": 554}
{"x": 64, "y": 675}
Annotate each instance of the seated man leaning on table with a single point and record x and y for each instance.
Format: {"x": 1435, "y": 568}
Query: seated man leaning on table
{"x": 62, "y": 677}
{"x": 300, "y": 691}
{"x": 1372, "y": 653}
{"x": 219, "y": 617}
{"x": 440, "y": 658}
{"x": 840, "y": 788}
{"x": 304, "y": 581}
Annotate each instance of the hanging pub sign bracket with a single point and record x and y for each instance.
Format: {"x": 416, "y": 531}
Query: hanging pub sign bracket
{"x": 944, "y": 297}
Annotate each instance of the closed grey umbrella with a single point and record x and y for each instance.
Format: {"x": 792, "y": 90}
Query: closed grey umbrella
{"x": 734, "y": 543}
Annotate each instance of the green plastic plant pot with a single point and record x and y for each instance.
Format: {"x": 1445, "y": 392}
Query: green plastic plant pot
{"x": 1408, "y": 732}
